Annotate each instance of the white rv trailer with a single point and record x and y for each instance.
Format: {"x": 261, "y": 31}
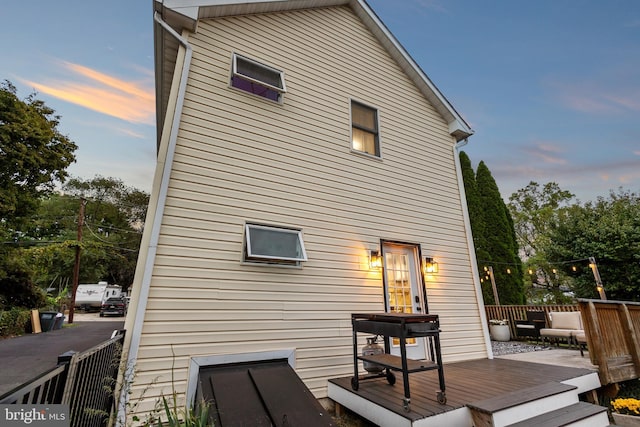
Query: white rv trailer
{"x": 90, "y": 296}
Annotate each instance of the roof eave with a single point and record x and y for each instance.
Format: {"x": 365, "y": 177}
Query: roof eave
{"x": 184, "y": 14}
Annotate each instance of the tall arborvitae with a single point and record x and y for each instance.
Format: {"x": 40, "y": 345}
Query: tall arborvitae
{"x": 498, "y": 246}
{"x": 476, "y": 218}
{"x": 473, "y": 199}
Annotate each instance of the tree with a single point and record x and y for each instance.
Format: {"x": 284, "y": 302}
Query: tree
{"x": 473, "y": 200}
{"x": 16, "y": 286}
{"x": 33, "y": 154}
{"x": 499, "y": 240}
{"x": 534, "y": 209}
{"x": 476, "y": 219}
{"x": 113, "y": 223}
{"x": 608, "y": 230}
{"x": 493, "y": 234}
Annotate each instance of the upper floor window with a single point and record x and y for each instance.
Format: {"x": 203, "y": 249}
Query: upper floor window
{"x": 273, "y": 245}
{"x": 256, "y": 78}
{"x": 364, "y": 129}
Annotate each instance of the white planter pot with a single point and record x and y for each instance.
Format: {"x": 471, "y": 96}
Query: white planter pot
{"x": 626, "y": 420}
{"x": 500, "y": 332}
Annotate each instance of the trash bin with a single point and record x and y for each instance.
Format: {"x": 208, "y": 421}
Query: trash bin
{"x": 47, "y": 320}
{"x": 58, "y": 321}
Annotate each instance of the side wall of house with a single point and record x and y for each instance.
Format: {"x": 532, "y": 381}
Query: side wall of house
{"x": 241, "y": 158}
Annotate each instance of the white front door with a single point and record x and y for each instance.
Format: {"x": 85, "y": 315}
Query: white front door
{"x": 404, "y": 292}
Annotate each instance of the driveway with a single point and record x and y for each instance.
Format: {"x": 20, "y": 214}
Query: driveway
{"x": 25, "y": 357}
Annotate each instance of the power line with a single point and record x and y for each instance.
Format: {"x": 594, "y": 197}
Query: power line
{"x": 113, "y": 228}
{"x": 107, "y": 242}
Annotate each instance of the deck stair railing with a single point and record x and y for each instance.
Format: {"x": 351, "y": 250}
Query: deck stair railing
{"x": 612, "y": 329}
{"x": 81, "y": 380}
{"x": 519, "y": 312}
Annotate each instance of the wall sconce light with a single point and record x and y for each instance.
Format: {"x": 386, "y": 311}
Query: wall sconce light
{"x": 430, "y": 266}
{"x": 375, "y": 260}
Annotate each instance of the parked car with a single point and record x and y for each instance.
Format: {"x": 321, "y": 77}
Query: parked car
{"x": 116, "y": 306}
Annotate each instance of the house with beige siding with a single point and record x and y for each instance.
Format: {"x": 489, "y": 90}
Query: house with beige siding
{"x": 307, "y": 170}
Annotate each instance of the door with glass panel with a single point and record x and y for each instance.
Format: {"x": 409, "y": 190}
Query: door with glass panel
{"x": 404, "y": 292}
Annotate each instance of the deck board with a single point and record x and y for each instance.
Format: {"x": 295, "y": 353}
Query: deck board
{"x": 466, "y": 382}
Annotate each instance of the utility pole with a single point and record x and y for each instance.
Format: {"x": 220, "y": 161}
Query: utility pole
{"x": 596, "y": 276}
{"x": 493, "y": 285}
{"x": 76, "y": 266}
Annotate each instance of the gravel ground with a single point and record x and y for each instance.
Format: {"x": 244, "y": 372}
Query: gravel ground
{"x": 511, "y": 347}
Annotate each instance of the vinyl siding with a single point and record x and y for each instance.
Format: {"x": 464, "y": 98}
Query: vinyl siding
{"x": 241, "y": 158}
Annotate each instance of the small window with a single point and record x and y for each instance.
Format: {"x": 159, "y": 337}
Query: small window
{"x": 256, "y": 78}
{"x": 364, "y": 129}
{"x": 273, "y": 244}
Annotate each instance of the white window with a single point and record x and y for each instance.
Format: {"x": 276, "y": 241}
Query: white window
{"x": 273, "y": 244}
{"x": 364, "y": 129}
{"x": 257, "y": 78}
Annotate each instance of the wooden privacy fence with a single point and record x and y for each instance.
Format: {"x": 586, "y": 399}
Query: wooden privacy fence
{"x": 519, "y": 312}
{"x": 81, "y": 380}
{"x": 612, "y": 330}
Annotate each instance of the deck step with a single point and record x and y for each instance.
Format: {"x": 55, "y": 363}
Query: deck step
{"x": 578, "y": 414}
{"x": 517, "y": 406}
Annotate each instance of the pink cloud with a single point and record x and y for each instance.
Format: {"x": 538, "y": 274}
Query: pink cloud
{"x": 547, "y": 152}
{"x": 594, "y": 98}
{"x": 127, "y": 100}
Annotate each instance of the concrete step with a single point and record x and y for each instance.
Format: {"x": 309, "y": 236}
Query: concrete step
{"x": 579, "y": 414}
{"x": 501, "y": 411}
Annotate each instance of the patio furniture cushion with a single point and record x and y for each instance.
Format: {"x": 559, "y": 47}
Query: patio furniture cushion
{"x": 566, "y": 320}
{"x": 553, "y": 332}
{"x": 563, "y": 325}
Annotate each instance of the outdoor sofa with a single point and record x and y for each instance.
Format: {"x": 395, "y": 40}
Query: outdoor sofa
{"x": 565, "y": 325}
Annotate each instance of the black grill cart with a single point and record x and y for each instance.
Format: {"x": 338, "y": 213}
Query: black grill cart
{"x": 401, "y": 326}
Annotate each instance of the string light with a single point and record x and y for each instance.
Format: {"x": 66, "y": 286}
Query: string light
{"x": 509, "y": 266}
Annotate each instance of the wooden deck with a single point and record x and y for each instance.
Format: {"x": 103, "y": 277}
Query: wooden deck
{"x": 466, "y": 383}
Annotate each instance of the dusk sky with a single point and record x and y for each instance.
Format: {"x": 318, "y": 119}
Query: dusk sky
{"x": 551, "y": 87}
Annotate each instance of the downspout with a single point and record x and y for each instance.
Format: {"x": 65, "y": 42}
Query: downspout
{"x": 471, "y": 248}
{"x": 136, "y": 329}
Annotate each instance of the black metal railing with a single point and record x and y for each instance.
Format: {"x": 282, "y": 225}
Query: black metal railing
{"x": 47, "y": 387}
{"x": 84, "y": 381}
